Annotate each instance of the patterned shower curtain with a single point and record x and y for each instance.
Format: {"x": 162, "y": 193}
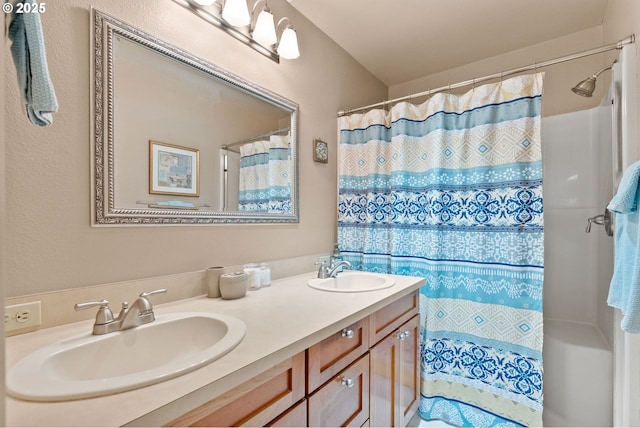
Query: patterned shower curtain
{"x": 265, "y": 176}
{"x": 451, "y": 190}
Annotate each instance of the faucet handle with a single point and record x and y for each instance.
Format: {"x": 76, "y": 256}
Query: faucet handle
{"x": 323, "y": 271}
{"x": 104, "y": 315}
{"x": 151, "y": 293}
{"x": 146, "y": 304}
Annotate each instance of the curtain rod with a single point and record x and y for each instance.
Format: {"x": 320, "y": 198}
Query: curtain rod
{"x": 256, "y": 138}
{"x": 536, "y": 65}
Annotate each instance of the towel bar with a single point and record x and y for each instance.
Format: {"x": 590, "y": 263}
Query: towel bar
{"x": 602, "y": 220}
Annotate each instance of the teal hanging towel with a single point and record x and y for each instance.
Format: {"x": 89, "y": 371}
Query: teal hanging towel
{"x": 30, "y": 59}
{"x": 624, "y": 292}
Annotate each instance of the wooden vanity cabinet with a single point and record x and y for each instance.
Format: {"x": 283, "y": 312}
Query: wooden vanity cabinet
{"x": 394, "y": 335}
{"x": 388, "y": 388}
{"x": 365, "y": 374}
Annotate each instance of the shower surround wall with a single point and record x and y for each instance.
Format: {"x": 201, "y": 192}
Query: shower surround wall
{"x": 578, "y": 358}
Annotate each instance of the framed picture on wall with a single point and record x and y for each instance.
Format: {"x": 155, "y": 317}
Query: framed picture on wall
{"x": 173, "y": 170}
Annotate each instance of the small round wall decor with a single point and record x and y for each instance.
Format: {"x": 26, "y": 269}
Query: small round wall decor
{"x": 320, "y": 151}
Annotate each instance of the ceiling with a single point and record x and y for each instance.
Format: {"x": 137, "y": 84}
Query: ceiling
{"x": 402, "y": 40}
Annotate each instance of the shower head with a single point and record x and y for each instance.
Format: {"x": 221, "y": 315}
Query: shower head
{"x": 588, "y": 85}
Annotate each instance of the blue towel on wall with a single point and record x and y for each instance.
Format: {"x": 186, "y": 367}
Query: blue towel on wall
{"x": 624, "y": 292}
{"x": 27, "y": 49}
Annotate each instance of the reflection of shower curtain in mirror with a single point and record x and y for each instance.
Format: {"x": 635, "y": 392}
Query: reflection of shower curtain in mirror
{"x": 265, "y": 176}
{"x": 451, "y": 190}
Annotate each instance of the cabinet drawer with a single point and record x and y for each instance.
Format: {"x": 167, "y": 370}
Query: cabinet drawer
{"x": 327, "y": 358}
{"x": 344, "y": 400}
{"x": 255, "y": 402}
{"x": 294, "y": 417}
{"x": 392, "y": 316}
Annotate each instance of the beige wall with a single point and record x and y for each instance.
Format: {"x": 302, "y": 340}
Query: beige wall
{"x": 559, "y": 79}
{"x": 3, "y": 52}
{"x": 51, "y": 243}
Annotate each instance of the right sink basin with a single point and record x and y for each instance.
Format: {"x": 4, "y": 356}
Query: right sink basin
{"x": 352, "y": 282}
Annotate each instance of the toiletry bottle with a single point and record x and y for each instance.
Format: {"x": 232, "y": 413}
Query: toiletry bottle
{"x": 265, "y": 275}
{"x": 336, "y": 256}
{"x": 253, "y": 272}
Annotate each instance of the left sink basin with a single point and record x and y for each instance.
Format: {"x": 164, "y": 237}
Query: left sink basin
{"x": 92, "y": 366}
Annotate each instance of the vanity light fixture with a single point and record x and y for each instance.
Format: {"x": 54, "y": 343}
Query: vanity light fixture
{"x": 255, "y": 29}
{"x": 236, "y": 13}
{"x": 263, "y": 30}
{"x": 288, "y": 46}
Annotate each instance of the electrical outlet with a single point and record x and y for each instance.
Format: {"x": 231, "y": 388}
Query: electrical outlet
{"x": 17, "y": 317}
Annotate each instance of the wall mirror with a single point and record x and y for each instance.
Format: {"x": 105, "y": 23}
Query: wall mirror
{"x": 178, "y": 140}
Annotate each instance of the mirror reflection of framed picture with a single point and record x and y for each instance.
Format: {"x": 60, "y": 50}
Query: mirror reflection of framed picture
{"x": 320, "y": 151}
{"x": 173, "y": 170}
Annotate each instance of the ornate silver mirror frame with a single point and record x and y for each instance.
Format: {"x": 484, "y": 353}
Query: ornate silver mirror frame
{"x": 105, "y": 210}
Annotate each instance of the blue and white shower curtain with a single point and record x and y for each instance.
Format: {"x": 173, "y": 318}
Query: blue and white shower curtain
{"x": 451, "y": 190}
{"x": 265, "y": 176}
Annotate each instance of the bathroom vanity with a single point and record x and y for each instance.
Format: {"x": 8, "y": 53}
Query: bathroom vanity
{"x": 309, "y": 357}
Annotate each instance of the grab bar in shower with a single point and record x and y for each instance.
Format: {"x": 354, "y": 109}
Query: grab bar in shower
{"x": 602, "y": 220}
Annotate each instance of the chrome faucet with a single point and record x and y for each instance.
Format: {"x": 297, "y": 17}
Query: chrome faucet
{"x": 140, "y": 312}
{"x": 330, "y": 271}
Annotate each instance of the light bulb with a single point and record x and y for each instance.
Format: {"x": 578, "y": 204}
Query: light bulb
{"x": 205, "y": 2}
{"x": 265, "y": 31}
{"x": 236, "y": 13}
{"x": 288, "y": 47}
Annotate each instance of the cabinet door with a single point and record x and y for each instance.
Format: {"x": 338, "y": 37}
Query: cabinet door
{"x": 409, "y": 373}
{"x": 394, "y": 376}
{"x": 383, "y": 376}
{"x": 344, "y": 400}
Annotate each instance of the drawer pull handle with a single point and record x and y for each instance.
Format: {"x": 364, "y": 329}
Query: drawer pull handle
{"x": 404, "y": 335}
{"x": 348, "y": 333}
{"x": 347, "y": 382}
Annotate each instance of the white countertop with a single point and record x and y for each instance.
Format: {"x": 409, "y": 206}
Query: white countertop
{"x": 281, "y": 320}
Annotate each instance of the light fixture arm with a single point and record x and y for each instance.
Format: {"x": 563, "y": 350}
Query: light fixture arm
{"x": 255, "y": 11}
{"x": 287, "y": 22}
